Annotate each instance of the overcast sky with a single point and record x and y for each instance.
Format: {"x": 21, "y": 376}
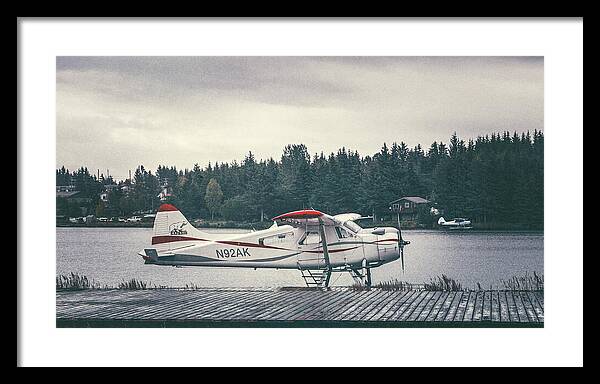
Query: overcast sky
{"x": 118, "y": 112}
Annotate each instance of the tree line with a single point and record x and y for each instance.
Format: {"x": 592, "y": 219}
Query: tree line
{"x": 495, "y": 179}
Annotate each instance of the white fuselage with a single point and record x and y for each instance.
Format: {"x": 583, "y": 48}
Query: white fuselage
{"x": 285, "y": 247}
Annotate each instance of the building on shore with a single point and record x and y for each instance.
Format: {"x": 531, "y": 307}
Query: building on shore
{"x": 408, "y": 206}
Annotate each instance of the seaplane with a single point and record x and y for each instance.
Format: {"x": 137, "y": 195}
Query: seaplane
{"x": 457, "y": 223}
{"x": 308, "y": 240}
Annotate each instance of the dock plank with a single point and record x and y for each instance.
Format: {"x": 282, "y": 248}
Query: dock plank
{"x": 486, "y": 312}
{"x": 520, "y": 307}
{"x": 338, "y": 309}
{"x": 374, "y": 307}
{"x": 353, "y": 306}
{"x": 357, "y": 307}
{"x": 462, "y": 307}
{"x": 388, "y": 305}
{"x": 470, "y": 307}
{"x": 247, "y": 301}
{"x": 396, "y": 305}
{"x": 539, "y": 295}
{"x": 423, "y": 296}
{"x": 285, "y": 304}
{"x": 495, "y": 306}
{"x": 325, "y": 298}
{"x": 272, "y": 302}
{"x": 504, "y": 316}
{"x": 513, "y": 313}
{"x": 444, "y": 307}
{"x": 331, "y": 306}
{"x": 453, "y": 306}
{"x": 539, "y": 310}
{"x": 403, "y": 306}
{"x": 528, "y": 306}
{"x": 478, "y": 311}
{"x": 428, "y": 307}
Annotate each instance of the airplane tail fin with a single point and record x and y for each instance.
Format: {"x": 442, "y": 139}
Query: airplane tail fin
{"x": 171, "y": 225}
{"x": 441, "y": 220}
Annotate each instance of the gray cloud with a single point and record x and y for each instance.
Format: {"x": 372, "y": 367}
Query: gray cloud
{"x": 117, "y": 112}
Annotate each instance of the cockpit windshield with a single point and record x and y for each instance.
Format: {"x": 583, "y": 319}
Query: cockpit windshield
{"x": 352, "y": 226}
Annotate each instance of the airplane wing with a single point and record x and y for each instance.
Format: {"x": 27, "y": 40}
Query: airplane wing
{"x": 305, "y": 217}
{"x": 343, "y": 217}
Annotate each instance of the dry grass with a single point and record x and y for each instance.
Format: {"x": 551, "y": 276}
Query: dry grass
{"x": 74, "y": 282}
{"x": 132, "y": 284}
{"x": 526, "y": 282}
{"x": 443, "y": 283}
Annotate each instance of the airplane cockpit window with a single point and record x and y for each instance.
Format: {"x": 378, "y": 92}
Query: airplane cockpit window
{"x": 352, "y": 226}
{"x": 310, "y": 238}
{"x": 342, "y": 233}
{"x": 276, "y": 239}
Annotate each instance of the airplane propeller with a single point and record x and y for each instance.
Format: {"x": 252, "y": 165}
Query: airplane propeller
{"x": 401, "y": 243}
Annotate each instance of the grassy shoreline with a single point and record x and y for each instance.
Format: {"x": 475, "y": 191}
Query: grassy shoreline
{"x": 527, "y": 282}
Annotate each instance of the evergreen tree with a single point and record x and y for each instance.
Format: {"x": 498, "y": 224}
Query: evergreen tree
{"x": 213, "y": 197}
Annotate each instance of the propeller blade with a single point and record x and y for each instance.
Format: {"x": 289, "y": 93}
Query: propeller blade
{"x": 402, "y": 258}
{"x": 401, "y": 248}
{"x": 401, "y": 243}
{"x": 399, "y": 228}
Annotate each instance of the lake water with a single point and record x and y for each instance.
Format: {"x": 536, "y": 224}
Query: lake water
{"x": 109, "y": 256}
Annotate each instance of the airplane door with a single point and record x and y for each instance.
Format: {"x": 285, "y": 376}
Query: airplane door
{"x": 351, "y": 249}
{"x": 309, "y": 245}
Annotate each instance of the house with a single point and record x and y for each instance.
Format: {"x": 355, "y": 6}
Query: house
{"x": 72, "y": 203}
{"x": 408, "y": 206}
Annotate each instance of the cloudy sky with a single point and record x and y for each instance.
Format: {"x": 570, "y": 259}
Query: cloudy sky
{"x": 118, "y": 112}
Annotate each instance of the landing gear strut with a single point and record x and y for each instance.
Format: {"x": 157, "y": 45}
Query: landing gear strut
{"x": 363, "y": 278}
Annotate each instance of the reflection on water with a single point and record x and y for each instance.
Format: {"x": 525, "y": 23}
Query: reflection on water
{"x": 109, "y": 256}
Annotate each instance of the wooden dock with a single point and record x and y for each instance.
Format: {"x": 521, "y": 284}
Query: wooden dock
{"x": 298, "y": 307}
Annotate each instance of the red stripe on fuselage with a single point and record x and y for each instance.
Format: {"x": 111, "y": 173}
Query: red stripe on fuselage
{"x": 172, "y": 239}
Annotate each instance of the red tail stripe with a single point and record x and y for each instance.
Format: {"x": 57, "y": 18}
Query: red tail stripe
{"x": 167, "y": 208}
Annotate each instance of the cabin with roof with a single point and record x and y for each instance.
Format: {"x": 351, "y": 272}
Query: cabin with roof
{"x": 408, "y": 206}
{"x": 71, "y": 202}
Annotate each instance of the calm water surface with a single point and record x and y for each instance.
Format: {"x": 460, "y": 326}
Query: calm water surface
{"x": 109, "y": 256}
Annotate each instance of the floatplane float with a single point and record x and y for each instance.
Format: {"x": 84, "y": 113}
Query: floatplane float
{"x": 313, "y": 242}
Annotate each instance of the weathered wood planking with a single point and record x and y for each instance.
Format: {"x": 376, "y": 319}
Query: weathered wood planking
{"x": 334, "y": 306}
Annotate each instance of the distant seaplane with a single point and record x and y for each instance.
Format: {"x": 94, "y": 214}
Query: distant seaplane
{"x": 457, "y": 223}
{"x": 310, "y": 241}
